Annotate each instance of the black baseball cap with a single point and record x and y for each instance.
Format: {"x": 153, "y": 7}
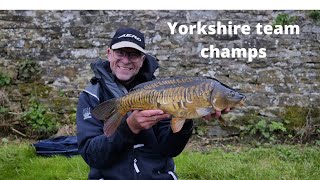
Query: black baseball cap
{"x": 128, "y": 37}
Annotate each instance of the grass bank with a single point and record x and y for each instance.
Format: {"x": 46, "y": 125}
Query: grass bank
{"x": 278, "y": 162}
{"x": 21, "y": 162}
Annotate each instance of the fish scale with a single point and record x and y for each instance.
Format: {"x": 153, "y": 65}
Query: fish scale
{"x": 181, "y": 97}
{"x": 143, "y": 99}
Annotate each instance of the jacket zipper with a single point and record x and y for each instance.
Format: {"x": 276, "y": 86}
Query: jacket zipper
{"x": 135, "y": 165}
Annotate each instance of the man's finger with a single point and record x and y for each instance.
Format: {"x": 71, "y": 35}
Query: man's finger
{"x": 161, "y": 117}
{"x": 217, "y": 114}
{"x": 226, "y": 111}
{"x": 148, "y": 113}
{"x": 208, "y": 117}
{"x": 157, "y": 117}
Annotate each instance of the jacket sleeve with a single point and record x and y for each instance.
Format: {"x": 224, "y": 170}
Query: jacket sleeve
{"x": 172, "y": 144}
{"x": 98, "y": 150}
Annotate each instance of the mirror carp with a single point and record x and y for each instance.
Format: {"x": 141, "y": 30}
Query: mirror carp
{"x": 181, "y": 97}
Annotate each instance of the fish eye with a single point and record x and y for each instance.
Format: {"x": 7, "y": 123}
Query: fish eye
{"x": 232, "y": 93}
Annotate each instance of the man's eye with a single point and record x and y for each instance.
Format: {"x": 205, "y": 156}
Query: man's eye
{"x": 122, "y": 53}
{"x": 135, "y": 55}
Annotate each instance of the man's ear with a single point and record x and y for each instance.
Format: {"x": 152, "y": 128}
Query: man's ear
{"x": 143, "y": 59}
{"x": 109, "y": 52}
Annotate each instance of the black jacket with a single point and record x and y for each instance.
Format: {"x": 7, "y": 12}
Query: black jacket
{"x": 125, "y": 155}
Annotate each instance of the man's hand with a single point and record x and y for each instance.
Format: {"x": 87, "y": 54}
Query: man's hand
{"x": 216, "y": 114}
{"x": 139, "y": 120}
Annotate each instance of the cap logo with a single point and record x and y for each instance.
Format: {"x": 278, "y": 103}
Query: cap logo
{"x": 131, "y": 36}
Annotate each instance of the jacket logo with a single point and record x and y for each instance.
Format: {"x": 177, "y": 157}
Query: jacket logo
{"x": 131, "y": 36}
{"x": 86, "y": 113}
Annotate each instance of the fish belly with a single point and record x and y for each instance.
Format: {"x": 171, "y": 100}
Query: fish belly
{"x": 187, "y": 110}
{"x": 182, "y": 102}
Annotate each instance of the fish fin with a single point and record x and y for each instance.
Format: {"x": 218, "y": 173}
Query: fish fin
{"x": 222, "y": 121}
{"x": 204, "y": 111}
{"x": 242, "y": 103}
{"x": 109, "y": 113}
{"x": 111, "y": 124}
{"x": 105, "y": 109}
{"x": 177, "y": 124}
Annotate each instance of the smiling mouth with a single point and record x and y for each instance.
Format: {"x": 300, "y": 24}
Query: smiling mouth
{"x": 125, "y": 68}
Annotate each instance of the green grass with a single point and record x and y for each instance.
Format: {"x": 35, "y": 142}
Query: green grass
{"x": 21, "y": 162}
{"x": 281, "y": 162}
{"x": 278, "y": 162}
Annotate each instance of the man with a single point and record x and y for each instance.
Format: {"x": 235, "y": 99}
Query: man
{"x": 143, "y": 145}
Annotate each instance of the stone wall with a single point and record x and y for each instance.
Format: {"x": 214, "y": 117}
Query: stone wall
{"x": 64, "y": 43}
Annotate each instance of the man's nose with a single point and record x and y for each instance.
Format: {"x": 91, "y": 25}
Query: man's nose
{"x": 125, "y": 59}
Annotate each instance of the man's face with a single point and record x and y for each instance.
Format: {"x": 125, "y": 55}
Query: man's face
{"x": 125, "y": 62}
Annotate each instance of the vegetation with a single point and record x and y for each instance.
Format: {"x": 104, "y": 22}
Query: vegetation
{"x": 21, "y": 162}
{"x": 4, "y": 80}
{"x": 25, "y": 110}
{"x": 5, "y": 115}
{"x": 230, "y": 162}
{"x": 267, "y": 130}
{"x": 38, "y": 118}
{"x": 293, "y": 124}
{"x": 296, "y": 116}
{"x": 28, "y": 70}
{"x": 283, "y": 19}
{"x": 315, "y": 15}
{"x": 280, "y": 162}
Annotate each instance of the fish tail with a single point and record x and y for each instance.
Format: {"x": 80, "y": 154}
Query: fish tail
{"x": 108, "y": 111}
